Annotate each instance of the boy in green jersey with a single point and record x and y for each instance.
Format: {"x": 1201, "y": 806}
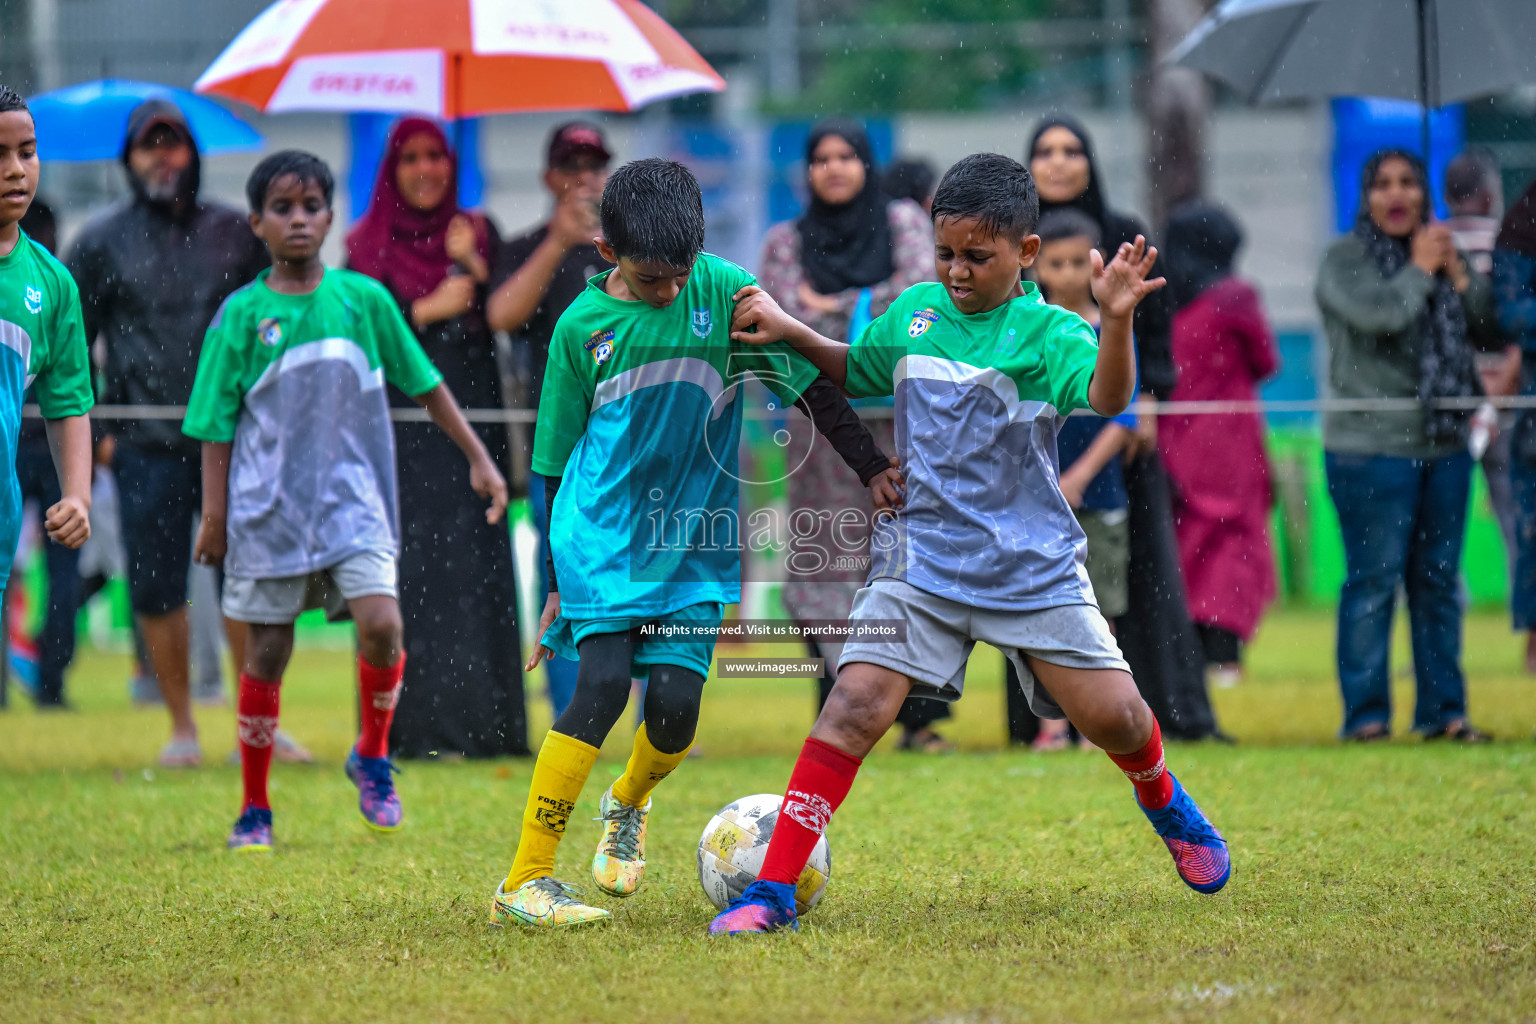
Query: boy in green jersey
{"x": 299, "y": 492}
{"x": 985, "y": 547}
{"x": 638, "y": 428}
{"x": 42, "y": 345}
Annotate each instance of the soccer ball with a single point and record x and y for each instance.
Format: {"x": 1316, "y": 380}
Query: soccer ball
{"x": 733, "y": 845}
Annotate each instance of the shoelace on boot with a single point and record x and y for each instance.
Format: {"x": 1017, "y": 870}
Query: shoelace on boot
{"x": 625, "y": 842}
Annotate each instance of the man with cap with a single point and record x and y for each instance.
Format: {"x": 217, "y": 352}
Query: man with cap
{"x": 537, "y": 276}
{"x": 152, "y": 272}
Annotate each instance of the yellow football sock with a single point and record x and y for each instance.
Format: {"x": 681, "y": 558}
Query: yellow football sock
{"x": 647, "y": 767}
{"x": 558, "y": 775}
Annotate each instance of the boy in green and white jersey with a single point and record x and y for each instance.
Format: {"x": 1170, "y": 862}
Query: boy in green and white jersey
{"x": 42, "y": 345}
{"x": 299, "y": 498}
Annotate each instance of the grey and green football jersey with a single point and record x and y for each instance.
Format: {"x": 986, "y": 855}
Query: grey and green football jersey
{"x": 42, "y": 345}
{"x": 297, "y": 383}
{"x": 979, "y": 400}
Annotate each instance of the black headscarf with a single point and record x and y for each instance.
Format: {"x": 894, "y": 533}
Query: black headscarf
{"x": 1517, "y": 233}
{"x": 1091, "y": 201}
{"x": 847, "y": 245}
{"x": 143, "y": 117}
{"x": 1199, "y": 245}
{"x": 1153, "y": 315}
{"x": 1446, "y": 368}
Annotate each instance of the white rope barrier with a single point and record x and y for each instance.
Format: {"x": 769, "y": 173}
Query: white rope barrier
{"x": 880, "y": 412}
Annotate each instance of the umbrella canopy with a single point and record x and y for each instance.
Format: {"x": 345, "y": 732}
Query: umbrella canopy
{"x": 1430, "y": 51}
{"x": 457, "y": 58}
{"x": 88, "y": 121}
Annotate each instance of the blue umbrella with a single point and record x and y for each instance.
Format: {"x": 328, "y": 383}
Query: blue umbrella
{"x": 88, "y": 121}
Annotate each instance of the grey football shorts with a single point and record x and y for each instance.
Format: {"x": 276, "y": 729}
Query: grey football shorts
{"x": 941, "y": 634}
{"x": 278, "y": 601}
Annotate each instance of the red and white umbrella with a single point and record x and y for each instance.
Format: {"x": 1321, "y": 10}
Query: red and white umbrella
{"x": 457, "y": 58}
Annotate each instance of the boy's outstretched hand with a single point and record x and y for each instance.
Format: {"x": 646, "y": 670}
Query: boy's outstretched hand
{"x": 488, "y": 482}
{"x": 755, "y": 308}
{"x": 886, "y": 488}
{"x": 1118, "y": 287}
{"x": 68, "y": 523}
{"x": 551, "y": 613}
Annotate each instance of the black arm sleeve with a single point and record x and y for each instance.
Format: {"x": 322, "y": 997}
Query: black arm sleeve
{"x": 551, "y": 487}
{"x": 828, "y": 408}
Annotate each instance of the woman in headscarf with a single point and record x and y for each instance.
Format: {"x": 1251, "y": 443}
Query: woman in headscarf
{"x": 1399, "y": 307}
{"x": 463, "y": 689}
{"x": 1514, "y": 285}
{"x": 1223, "y": 348}
{"x": 836, "y": 268}
{"x": 1156, "y": 635}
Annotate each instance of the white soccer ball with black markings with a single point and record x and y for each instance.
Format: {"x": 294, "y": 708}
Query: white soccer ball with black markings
{"x": 733, "y": 846}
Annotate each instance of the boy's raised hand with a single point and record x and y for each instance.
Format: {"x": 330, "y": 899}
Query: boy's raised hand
{"x": 755, "y": 308}
{"x": 1118, "y": 287}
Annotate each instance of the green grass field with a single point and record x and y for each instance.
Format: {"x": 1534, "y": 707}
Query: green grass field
{"x": 1390, "y": 883}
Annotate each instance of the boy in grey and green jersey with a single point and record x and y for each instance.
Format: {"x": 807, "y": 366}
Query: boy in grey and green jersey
{"x": 985, "y": 548}
{"x": 42, "y": 345}
{"x": 299, "y": 474}
{"x": 296, "y": 383}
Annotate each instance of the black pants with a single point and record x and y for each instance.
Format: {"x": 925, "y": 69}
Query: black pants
{"x": 1222, "y": 646}
{"x": 56, "y": 641}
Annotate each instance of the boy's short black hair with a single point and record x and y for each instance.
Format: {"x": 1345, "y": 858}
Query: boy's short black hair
{"x": 997, "y": 190}
{"x": 11, "y": 100}
{"x": 1058, "y": 225}
{"x": 307, "y": 167}
{"x": 1470, "y": 174}
{"x": 911, "y": 178}
{"x": 653, "y": 210}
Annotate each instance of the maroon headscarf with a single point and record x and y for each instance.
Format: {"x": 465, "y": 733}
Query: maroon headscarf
{"x": 405, "y": 248}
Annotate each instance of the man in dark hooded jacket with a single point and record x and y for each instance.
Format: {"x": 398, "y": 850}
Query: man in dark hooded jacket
{"x": 152, "y": 271}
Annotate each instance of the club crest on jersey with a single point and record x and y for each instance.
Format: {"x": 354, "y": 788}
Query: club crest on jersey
{"x": 703, "y": 322}
{"x": 270, "y": 331}
{"x": 34, "y": 300}
{"x": 601, "y": 346}
{"x": 921, "y": 321}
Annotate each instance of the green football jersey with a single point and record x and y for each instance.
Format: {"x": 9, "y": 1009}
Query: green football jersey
{"x": 641, "y": 415}
{"x": 297, "y": 383}
{"x": 42, "y": 346}
{"x": 979, "y": 399}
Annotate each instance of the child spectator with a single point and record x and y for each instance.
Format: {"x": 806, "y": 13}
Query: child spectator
{"x": 1223, "y": 348}
{"x": 1089, "y": 447}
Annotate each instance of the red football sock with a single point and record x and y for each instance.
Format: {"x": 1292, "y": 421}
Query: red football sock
{"x": 256, "y": 707}
{"x": 380, "y": 692}
{"x": 1154, "y": 786}
{"x": 817, "y": 786}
